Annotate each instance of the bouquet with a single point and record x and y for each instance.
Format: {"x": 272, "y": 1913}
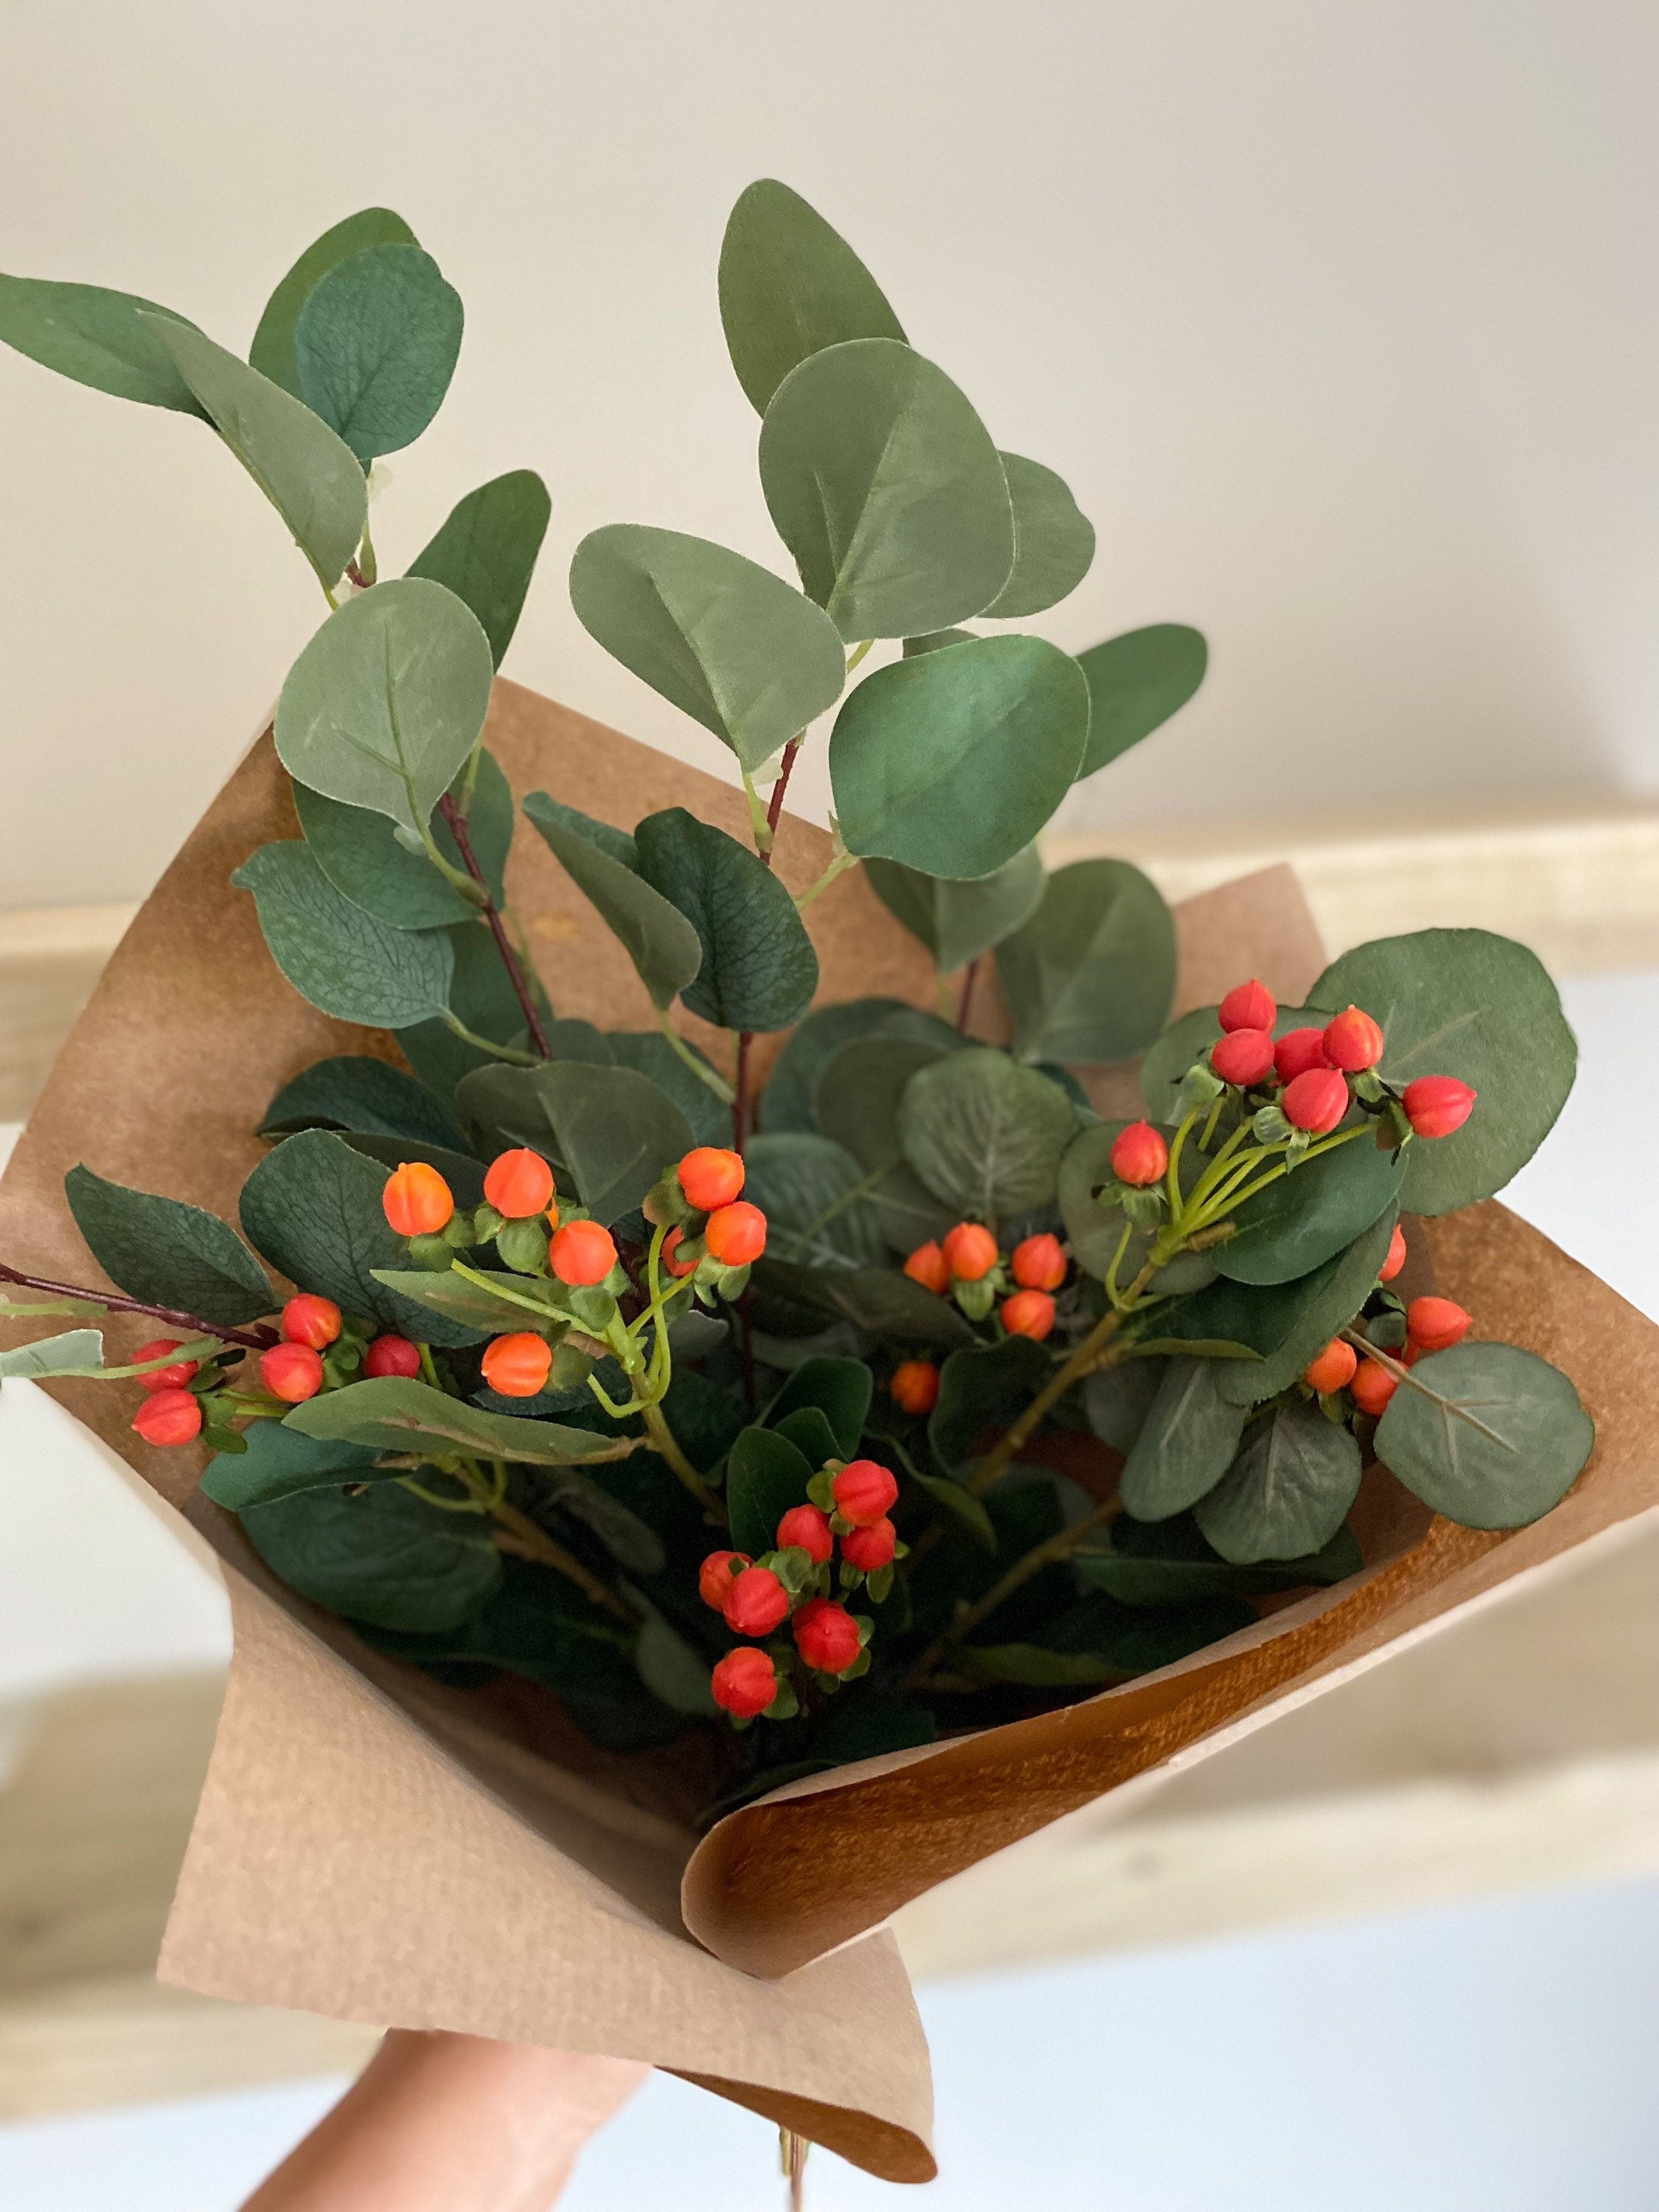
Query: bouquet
{"x": 861, "y": 1347}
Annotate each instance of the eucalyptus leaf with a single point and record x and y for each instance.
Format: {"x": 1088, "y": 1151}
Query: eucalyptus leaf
{"x": 789, "y": 286}
{"x": 72, "y": 1351}
{"x": 878, "y": 1299}
{"x": 985, "y": 1134}
{"x": 309, "y": 476}
{"x": 1287, "y": 1492}
{"x": 386, "y": 702}
{"x": 765, "y": 1476}
{"x": 1487, "y": 1434}
{"x": 1138, "y": 1577}
{"x": 647, "y": 1052}
{"x": 485, "y": 552}
{"x": 857, "y": 1107}
{"x": 1096, "y": 1232}
{"x": 1117, "y": 1400}
{"x": 96, "y": 337}
{"x": 1298, "y": 1222}
{"x": 933, "y": 641}
{"x": 981, "y": 1390}
{"x": 1090, "y": 977}
{"x": 657, "y": 937}
{"x": 279, "y": 1462}
{"x": 1186, "y": 1444}
{"x": 952, "y": 762}
{"x": 385, "y": 1557}
{"x": 272, "y": 351}
{"x": 885, "y": 486}
{"x": 610, "y": 1130}
{"x": 336, "y": 955}
{"x": 375, "y": 344}
{"x": 958, "y": 921}
{"x": 758, "y": 970}
{"x": 840, "y": 1389}
{"x": 1054, "y": 541}
{"x": 167, "y": 1253}
{"x": 396, "y": 1413}
{"x": 815, "y": 1197}
{"x": 672, "y": 1670}
{"x": 1135, "y": 683}
{"x": 788, "y": 1100}
{"x": 364, "y": 855}
{"x": 725, "y": 640}
{"x": 481, "y": 1306}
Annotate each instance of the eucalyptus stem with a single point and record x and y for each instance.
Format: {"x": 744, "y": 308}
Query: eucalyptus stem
{"x": 839, "y": 862}
{"x": 509, "y": 1053}
{"x": 698, "y": 1066}
{"x": 259, "y": 1338}
{"x": 665, "y": 1444}
{"x": 456, "y": 824}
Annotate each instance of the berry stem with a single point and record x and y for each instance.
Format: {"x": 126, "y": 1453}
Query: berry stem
{"x": 517, "y": 1532}
{"x": 965, "y": 1003}
{"x": 455, "y": 822}
{"x": 257, "y": 1338}
{"x": 665, "y": 1444}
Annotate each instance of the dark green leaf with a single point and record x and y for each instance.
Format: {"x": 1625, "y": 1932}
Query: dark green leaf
{"x": 958, "y": 921}
{"x": 1287, "y": 1492}
{"x": 981, "y": 1390}
{"x": 96, "y": 337}
{"x": 632, "y": 1543}
{"x": 810, "y": 1432}
{"x": 612, "y": 1132}
{"x": 1117, "y": 1400}
{"x": 1136, "y": 682}
{"x": 814, "y": 1197}
{"x": 463, "y": 1300}
{"x": 1487, "y": 1434}
{"x": 657, "y": 937}
{"x": 1054, "y": 541}
{"x": 787, "y": 1101}
{"x": 869, "y": 1727}
{"x": 167, "y": 1253}
{"x": 395, "y": 1414}
{"x": 364, "y": 855}
{"x": 953, "y": 763}
{"x": 885, "y": 486}
{"x": 1091, "y": 975}
{"x": 279, "y": 1462}
{"x": 356, "y": 1092}
{"x": 726, "y": 641}
{"x": 985, "y": 1134}
{"x": 672, "y": 1670}
{"x": 758, "y": 969}
{"x": 647, "y": 1052}
{"x": 385, "y": 1556}
{"x": 840, "y": 1389}
{"x": 958, "y": 1508}
{"x": 789, "y": 286}
{"x": 485, "y": 552}
{"x": 1300, "y": 1221}
{"x": 462, "y": 1172}
{"x": 1033, "y": 1666}
{"x": 272, "y": 350}
{"x": 385, "y": 703}
{"x": 880, "y": 1299}
{"x": 1159, "y": 1582}
{"x": 336, "y": 955}
{"x": 1096, "y": 1231}
{"x": 1465, "y": 1003}
{"x": 857, "y": 1106}
{"x": 1186, "y": 1444}
{"x": 765, "y": 1476}
{"x": 375, "y": 346}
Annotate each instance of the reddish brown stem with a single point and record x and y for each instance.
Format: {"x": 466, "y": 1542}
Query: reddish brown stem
{"x": 257, "y": 1338}
{"x": 774, "y": 805}
{"x": 455, "y": 822}
{"x": 964, "y": 1003}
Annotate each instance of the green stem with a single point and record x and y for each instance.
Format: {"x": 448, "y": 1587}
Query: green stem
{"x": 1049, "y": 1554}
{"x": 665, "y": 1444}
{"x": 694, "y": 1061}
{"x": 522, "y": 1534}
{"x": 841, "y": 861}
{"x": 858, "y": 653}
{"x": 509, "y": 1053}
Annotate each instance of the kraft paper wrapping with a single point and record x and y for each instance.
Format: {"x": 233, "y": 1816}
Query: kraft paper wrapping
{"x": 372, "y": 1845}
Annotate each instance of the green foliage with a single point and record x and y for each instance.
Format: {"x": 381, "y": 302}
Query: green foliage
{"x": 336, "y": 955}
{"x": 956, "y": 1507}
{"x": 272, "y": 352}
{"x": 648, "y": 1053}
{"x": 954, "y": 762}
{"x": 485, "y": 552}
{"x": 279, "y": 1462}
{"x": 1465, "y": 1003}
{"x": 885, "y": 486}
{"x": 608, "y": 1131}
{"x": 367, "y": 858}
{"x": 789, "y": 286}
{"x": 958, "y": 921}
{"x": 1487, "y": 1434}
{"x": 1117, "y": 1400}
{"x": 1186, "y": 1444}
{"x": 98, "y": 337}
{"x": 1188, "y": 1570}
{"x": 1094, "y": 1232}
{"x": 396, "y": 1413}
{"x": 758, "y": 970}
{"x": 659, "y": 939}
{"x": 1054, "y": 541}
{"x": 812, "y": 1192}
{"x": 480, "y": 1305}
{"x": 765, "y": 1476}
{"x": 981, "y": 1389}
{"x": 724, "y": 639}
{"x": 857, "y": 1106}
{"x": 1288, "y": 1491}
{"x": 385, "y": 703}
{"x": 383, "y": 1556}
{"x": 375, "y": 345}
{"x": 787, "y": 1102}
{"x": 1298, "y": 1222}
{"x": 309, "y": 476}
{"x": 672, "y": 1670}
{"x": 1136, "y": 681}
{"x": 880, "y": 1299}
{"x": 632, "y": 1542}
{"x": 1090, "y": 977}
{"x": 73, "y": 1351}
{"x": 985, "y": 1134}
{"x": 1034, "y": 1667}
{"x": 840, "y": 1389}
{"x": 167, "y": 1253}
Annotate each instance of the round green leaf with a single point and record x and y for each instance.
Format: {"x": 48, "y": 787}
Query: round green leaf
{"x": 765, "y": 1476}
{"x": 1287, "y": 1323}
{"x": 878, "y": 1299}
{"x": 789, "y": 286}
{"x": 1487, "y": 1434}
{"x": 726, "y": 641}
{"x": 98, "y": 337}
{"x": 603, "y": 863}
{"x": 1185, "y": 1445}
{"x": 958, "y": 921}
{"x": 788, "y": 1100}
{"x": 985, "y": 1134}
{"x": 952, "y": 762}
{"x": 167, "y": 1252}
{"x": 1136, "y": 682}
{"x": 840, "y": 1389}
{"x": 272, "y": 350}
{"x": 375, "y": 346}
{"x": 365, "y": 857}
{"x": 485, "y": 552}
{"x": 608, "y": 1129}
{"x": 383, "y": 1555}
{"x": 1466, "y": 1002}
{"x": 1091, "y": 975}
{"x": 814, "y": 1196}
{"x": 1300, "y": 1221}
{"x": 1095, "y": 1231}
{"x": 334, "y": 954}
{"x": 981, "y": 1388}
{"x": 885, "y": 486}
{"x": 1054, "y": 541}
{"x": 857, "y": 1105}
{"x": 356, "y": 1092}
{"x": 1288, "y": 1491}
{"x": 758, "y": 970}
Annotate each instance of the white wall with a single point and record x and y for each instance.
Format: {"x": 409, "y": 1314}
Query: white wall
{"x": 1342, "y": 320}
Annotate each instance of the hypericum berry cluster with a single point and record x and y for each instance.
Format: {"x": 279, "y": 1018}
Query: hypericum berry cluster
{"x": 967, "y": 1265}
{"x": 712, "y": 1231}
{"x": 1426, "y": 1324}
{"x": 846, "y": 1504}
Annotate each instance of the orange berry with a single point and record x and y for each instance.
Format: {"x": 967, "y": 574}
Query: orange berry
{"x": 715, "y": 1577}
{"x": 1332, "y": 1370}
{"x": 417, "y": 1200}
{"x": 1436, "y": 1105}
{"x": 163, "y": 1378}
{"x": 863, "y": 1491}
{"x": 826, "y": 1636}
{"x": 519, "y": 1184}
{"x": 670, "y": 1245}
{"x": 1353, "y": 1041}
{"x": 756, "y": 1602}
{"x": 1029, "y": 1313}
{"x": 1242, "y": 1056}
{"x": 516, "y": 1366}
{"x": 805, "y": 1529}
{"x": 711, "y": 1178}
{"x": 1372, "y": 1386}
{"x": 1039, "y": 1263}
{"x": 169, "y": 1416}
{"x": 1140, "y": 1157}
{"x": 1248, "y": 1007}
{"x": 307, "y": 1319}
{"x": 1437, "y": 1324}
{"x": 915, "y": 1386}
{"x": 292, "y": 1371}
{"x": 1315, "y": 1101}
{"x": 744, "y": 1683}
{"x": 735, "y": 1235}
{"x": 928, "y": 1265}
{"x": 1395, "y": 1259}
{"x": 970, "y": 1252}
{"x": 582, "y": 1254}
{"x": 393, "y": 1355}
{"x": 870, "y": 1549}
{"x": 1298, "y": 1050}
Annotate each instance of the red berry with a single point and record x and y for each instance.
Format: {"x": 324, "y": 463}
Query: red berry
{"x": 1139, "y": 1155}
{"x": 915, "y": 1386}
{"x": 864, "y": 1490}
{"x": 872, "y": 1548}
{"x": 1315, "y": 1100}
{"x": 163, "y": 1378}
{"x": 582, "y": 1254}
{"x": 1038, "y": 1264}
{"x": 1298, "y": 1051}
{"x": 805, "y": 1528}
{"x": 417, "y": 1200}
{"x": 970, "y": 1252}
{"x": 928, "y": 1265}
{"x": 1353, "y": 1041}
{"x": 1332, "y": 1370}
{"x": 735, "y": 1235}
{"x": 1396, "y": 1256}
{"x": 1372, "y": 1386}
{"x": 293, "y": 1371}
{"x": 393, "y": 1355}
{"x": 1029, "y": 1313}
{"x": 1243, "y": 1057}
{"x": 670, "y": 1245}
{"x": 1436, "y": 1105}
{"x": 744, "y": 1683}
{"x": 1437, "y": 1324}
{"x": 519, "y": 1184}
{"x": 310, "y": 1320}
{"x": 517, "y": 1366}
{"x": 1248, "y": 1007}
{"x": 711, "y": 1178}
{"x": 715, "y": 1575}
{"x": 170, "y": 1417}
{"x": 826, "y": 1636}
{"x": 756, "y": 1602}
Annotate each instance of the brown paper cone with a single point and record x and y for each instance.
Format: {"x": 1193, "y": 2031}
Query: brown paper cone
{"x": 374, "y": 1846}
